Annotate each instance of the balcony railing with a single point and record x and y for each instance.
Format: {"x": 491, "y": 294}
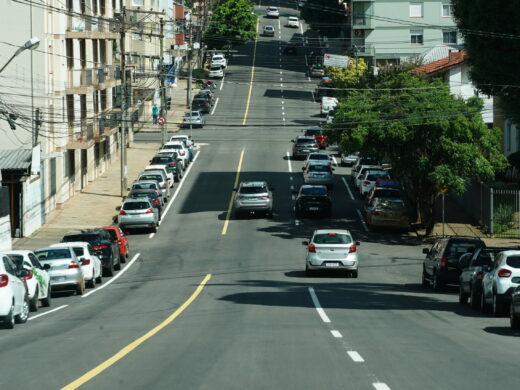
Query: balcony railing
{"x": 78, "y": 78}
{"x": 362, "y": 21}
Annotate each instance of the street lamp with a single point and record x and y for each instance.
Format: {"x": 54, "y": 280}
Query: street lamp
{"x": 31, "y": 44}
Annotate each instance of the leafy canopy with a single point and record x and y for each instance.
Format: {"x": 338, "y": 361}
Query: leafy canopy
{"x": 348, "y": 77}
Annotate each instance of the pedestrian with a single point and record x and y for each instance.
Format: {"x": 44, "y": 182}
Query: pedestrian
{"x": 189, "y": 145}
{"x": 155, "y": 113}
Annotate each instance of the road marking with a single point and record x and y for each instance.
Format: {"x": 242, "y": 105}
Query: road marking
{"x": 290, "y": 178}
{"x": 296, "y": 221}
{"x": 281, "y": 78}
{"x": 292, "y": 188}
{"x": 317, "y": 305}
{"x": 252, "y": 78}
{"x": 348, "y": 188}
{"x": 362, "y": 220}
{"x": 355, "y": 356}
{"x": 306, "y": 63}
{"x": 47, "y": 312}
{"x": 214, "y": 107}
{"x": 335, "y": 161}
{"x": 281, "y": 85}
{"x": 293, "y": 198}
{"x": 283, "y": 102}
{"x": 301, "y": 28}
{"x": 380, "y": 386}
{"x": 134, "y": 344}
{"x": 151, "y": 235}
{"x": 336, "y": 334}
{"x": 222, "y": 82}
{"x": 281, "y": 71}
{"x": 289, "y": 162}
{"x": 279, "y": 27}
{"x": 136, "y": 256}
{"x": 230, "y": 205}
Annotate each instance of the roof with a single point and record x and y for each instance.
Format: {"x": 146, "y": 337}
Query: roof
{"x": 439, "y": 52}
{"x": 15, "y": 159}
{"x": 253, "y": 183}
{"x": 442, "y": 64}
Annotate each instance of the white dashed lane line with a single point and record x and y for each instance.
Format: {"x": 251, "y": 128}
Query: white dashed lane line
{"x": 336, "y": 334}
{"x": 380, "y": 386}
{"x": 362, "y": 220}
{"x": 348, "y": 188}
{"x": 356, "y": 357}
{"x": 289, "y": 162}
{"x": 48, "y": 312}
{"x": 318, "y": 307}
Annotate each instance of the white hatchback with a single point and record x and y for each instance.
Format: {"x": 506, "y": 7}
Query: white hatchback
{"x": 180, "y": 148}
{"x": 162, "y": 168}
{"x": 218, "y": 60}
{"x": 272, "y": 12}
{"x": 332, "y": 250}
{"x": 14, "y": 302}
{"x": 216, "y": 71}
{"x": 90, "y": 263}
{"x": 292, "y": 21}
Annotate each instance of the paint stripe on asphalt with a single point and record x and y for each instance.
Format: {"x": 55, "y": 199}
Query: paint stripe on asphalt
{"x": 214, "y": 107}
{"x": 318, "y": 307}
{"x": 362, "y": 220}
{"x": 47, "y": 312}
{"x": 348, "y": 188}
{"x": 289, "y": 162}
{"x": 380, "y": 386}
{"x": 355, "y": 356}
{"x": 336, "y": 334}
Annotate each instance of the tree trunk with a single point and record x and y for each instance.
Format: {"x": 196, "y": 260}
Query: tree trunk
{"x": 426, "y": 209}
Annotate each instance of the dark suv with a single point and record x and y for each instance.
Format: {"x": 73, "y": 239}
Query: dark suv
{"x": 303, "y": 146}
{"x": 312, "y": 200}
{"x": 473, "y": 266}
{"x": 171, "y": 162}
{"x": 104, "y": 246}
{"x": 441, "y": 265}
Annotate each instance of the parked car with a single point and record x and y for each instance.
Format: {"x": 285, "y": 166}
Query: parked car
{"x": 316, "y": 70}
{"x": 65, "y": 269}
{"x": 171, "y": 162}
{"x": 207, "y": 95}
{"x": 303, "y": 146}
{"x": 272, "y": 12}
{"x": 252, "y": 197}
{"x": 317, "y": 133}
{"x": 146, "y": 185}
{"x": 389, "y": 213}
{"x": 138, "y": 213}
{"x": 499, "y": 283}
{"x": 37, "y": 279}
{"x": 180, "y": 148}
{"x": 441, "y": 265}
{"x": 383, "y": 193}
{"x": 161, "y": 168}
{"x": 202, "y": 105}
{"x": 368, "y": 180}
{"x": 514, "y": 311}
{"x": 193, "y": 118}
{"x": 318, "y": 173}
{"x": 313, "y": 200}
{"x": 473, "y": 265}
{"x": 104, "y": 247}
{"x": 215, "y": 72}
{"x": 292, "y": 21}
{"x": 160, "y": 179}
{"x": 219, "y": 59}
{"x": 332, "y": 250}
{"x": 153, "y": 198}
{"x": 362, "y": 170}
{"x": 90, "y": 263}
{"x": 363, "y": 161}
{"x": 268, "y": 31}
{"x": 119, "y": 236}
{"x": 14, "y": 301}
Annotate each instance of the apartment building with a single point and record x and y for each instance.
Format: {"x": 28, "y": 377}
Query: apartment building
{"x": 394, "y": 31}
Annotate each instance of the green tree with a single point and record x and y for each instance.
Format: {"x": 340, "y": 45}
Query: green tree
{"x": 491, "y": 36}
{"x": 432, "y": 139}
{"x": 232, "y": 21}
{"x": 349, "y": 77}
{"x": 324, "y": 15}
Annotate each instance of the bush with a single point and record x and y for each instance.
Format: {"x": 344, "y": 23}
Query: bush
{"x": 503, "y": 218}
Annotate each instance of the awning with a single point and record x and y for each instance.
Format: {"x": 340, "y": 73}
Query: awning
{"x": 15, "y": 159}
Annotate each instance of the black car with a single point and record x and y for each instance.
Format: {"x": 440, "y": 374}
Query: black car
{"x": 104, "y": 246}
{"x": 473, "y": 266}
{"x": 441, "y": 265}
{"x": 202, "y": 105}
{"x": 206, "y": 93}
{"x": 514, "y": 311}
{"x": 151, "y": 195}
{"x": 206, "y": 97}
{"x": 313, "y": 200}
{"x": 172, "y": 163}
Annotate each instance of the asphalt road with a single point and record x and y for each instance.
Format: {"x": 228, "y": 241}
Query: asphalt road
{"x": 212, "y": 302}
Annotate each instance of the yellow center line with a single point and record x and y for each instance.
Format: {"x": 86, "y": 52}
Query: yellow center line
{"x": 235, "y": 185}
{"x": 133, "y": 345}
{"x": 252, "y": 77}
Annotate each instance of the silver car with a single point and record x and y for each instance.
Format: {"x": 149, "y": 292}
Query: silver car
{"x": 253, "y": 196}
{"x": 332, "y": 250}
{"x": 65, "y": 269}
{"x": 193, "y": 118}
{"x": 138, "y": 213}
{"x": 318, "y": 174}
{"x": 303, "y": 146}
{"x": 160, "y": 179}
{"x": 317, "y": 158}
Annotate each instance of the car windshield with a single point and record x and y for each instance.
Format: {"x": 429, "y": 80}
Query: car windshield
{"x": 314, "y": 191}
{"x": 53, "y": 254}
{"x": 18, "y": 260}
{"x": 513, "y": 261}
{"x": 81, "y": 238}
{"x": 315, "y": 156}
{"x": 319, "y": 168}
{"x": 151, "y": 177}
{"x": 375, "y": 176}
{"x": 144, "y": 186}
{"x": 78, "y": 251}
{"x": 312, "y": 132}
{"x": 252, "y": 190}
{"x": 135, "y": 206}
{"x": 332, "y": 238}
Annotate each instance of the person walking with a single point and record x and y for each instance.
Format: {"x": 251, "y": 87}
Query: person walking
{"x": 189, "y": 145}
{"x": 155, "y": 113}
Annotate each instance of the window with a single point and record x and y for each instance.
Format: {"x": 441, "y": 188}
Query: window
{"x": 138, "y": 3}
{"x": 449, "y": 36}
{"x": 416, "y": 37}
{"x": 447, "y": 10}
{"x": 416, "y": 10}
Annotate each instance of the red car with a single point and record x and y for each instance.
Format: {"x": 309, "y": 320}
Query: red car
{"x": 316, "y": 132}
{"x": 117, "y": 234}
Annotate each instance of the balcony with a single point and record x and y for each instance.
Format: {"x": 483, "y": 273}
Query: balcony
{"x": 109, "y": 122}
{"x": 363, "y": 50}
{"x": 81, "y": 137}
{"x": 362, "y": 22}
{"x": 90, "y": 27}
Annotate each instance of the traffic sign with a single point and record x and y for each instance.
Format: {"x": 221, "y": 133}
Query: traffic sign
{"x": 161, "y": 121}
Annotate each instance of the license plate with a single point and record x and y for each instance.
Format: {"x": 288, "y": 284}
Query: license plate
{"x": 314, "y": 208}
{"x": 331, "y": 264}
{"x": 58, "y": 279}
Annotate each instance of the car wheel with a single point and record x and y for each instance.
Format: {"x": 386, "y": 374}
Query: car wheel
{"x": 46, "y": 302}
{"x": 122, "y": 258}
{"x": 24, "y": 315}
{"x": 354, "y": 274}
{"x": 33, "y": 303}
{"x": 91, "y": 283}
{"x": 269, "y": 213}
{"x": 117, "y": 266}
{"x": 309, "y": 272}
{"x": 154, "y": 228}
{"x": 514, "y": 320}
{"x": 437, "y": 283}
{"x": 463, "y": 297}
{"x": 9, "y": 319}
{"x": 109, "y": 271}
{"x": 424, "y": 281}
{"x": 99, "y": 279}
{"x": 484, "y": 307}
{"x": 498, "y": 307}
{"x": 80, "y": 288}
{"x": 474, "y": 299}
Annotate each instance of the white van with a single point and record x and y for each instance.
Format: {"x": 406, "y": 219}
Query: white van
{"x": 327, "y": 104}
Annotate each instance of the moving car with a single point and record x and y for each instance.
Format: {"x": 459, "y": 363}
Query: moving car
{"x": 313, "y": 200}
{"x": 318, "y": 173}
{"x": 138, "y": 213}
{"x": 290, "y": 49}
{"x": 202, "y": 105}
{"x": 362, "y": 170}
{"x": 65, "y": 269}
{"x": 268, "y": 31}
{"x": 37, "y": 279}
{"x": 303, "y": 146}
{"x": 14, "y": 302}
{"x": 272, "y": 12}
{"x": 253, "y": 196}
{"x": 316, "y": 70}
{"x": 387, "y": 213}
{"x": 90, "y": 263}
{"x": 317, "y": 158}
{"x": 332, "y": 250}
{"x": 193, "y": 118}
{"x": 371, "y": 161}
{"x": 349, "y": 159}
{"x": 292, "y": 21}
{"x": 218, "y": 59}
{"x": 215, "y": 71}
{"x": 317, "y": 133}
{"x": 327, "y": 104}
{"x": 368, "y": 180}
{"x": 383, "y": 193}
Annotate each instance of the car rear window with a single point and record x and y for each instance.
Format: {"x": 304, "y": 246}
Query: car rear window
{"x": 140, "y": 195}
{"x": 112, "y": 233}
{"x": 151, "y": 177}
{"x": 81, "y": 238}
{"x": 386, "y": 194}
{"x": 319, "y": 168}
{"x": 252, "y": 190}
{"x": 212, "y": 68}
{"x": 175, "y": 147}
{"x": 316, "y": 156}
{"x": 78, "y": 251}
{"x": 375, "y": 176}
{"x": 161, "y": 160}
{"x": 136, "y": 206}
{"x": 513, "y": 261}
{"x": 456, "y": 249}
{"x": 314, "y": 191}
{"x": 304, "y": 141}
{"x": 144, "y": 186}
{"x": 332, "y": 238}
{"x": 485, "y": 258}
{"x": 390, "y": 204}
{"x": 53, "y": 254}
{"x": 312, "y": 132}
{"x": 18, "y": 260}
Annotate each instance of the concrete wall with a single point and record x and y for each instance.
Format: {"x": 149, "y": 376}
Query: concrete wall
{"x": 32, "y": 211}
{"x": 5, "y": 233}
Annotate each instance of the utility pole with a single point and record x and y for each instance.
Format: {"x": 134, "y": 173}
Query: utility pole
{"x": 161, "y": 80}
{"x": 190, "y": 72}
{"x": 123, "y": 102}
{"x": 37, "y": 125}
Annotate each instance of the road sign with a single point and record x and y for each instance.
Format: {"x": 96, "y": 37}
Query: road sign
{"x": 442, "y": 190}
{"x": 335, "y": 60}
{"x": 161, "y": 121}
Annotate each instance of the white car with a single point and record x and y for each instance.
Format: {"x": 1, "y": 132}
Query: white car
{"x": 179, "y": 137}
{"x": 368, "y": 180}
{"x": 498, "y": 284}
{"x": 292, "y": 21}
{"x": 216, "y": 71}
{"x": 349, "y": 159}
{"x": 180, "y": 148}
{"x": 162, "y": 168}
{"x": 272, "y": 12}
{"x": 328, "y": 103}
{"x": 332, "y": 250}
{"x": 219, "y": 60}
{"x": 362, "y": 170}
{"x": 317, "y": 158}
{"x": 38, "y": 280}
{"x": 14, "y": 302}
{"x": 90, "y": 263}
